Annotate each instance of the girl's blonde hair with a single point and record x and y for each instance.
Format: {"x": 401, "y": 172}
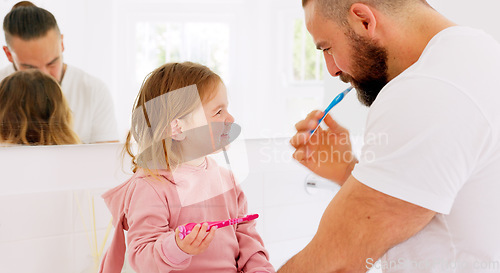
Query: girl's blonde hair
{"x": 33, "y": 111}
{"x": 151, "y": 120}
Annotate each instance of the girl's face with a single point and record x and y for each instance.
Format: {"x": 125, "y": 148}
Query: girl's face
{"x": 207, "y": 129}
{"x": 216, "y": 109}
{"x": 213, "y": 113}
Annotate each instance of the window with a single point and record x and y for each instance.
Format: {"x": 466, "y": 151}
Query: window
{"x": 307, "y": 60}
{"x": 263, "y": 53}
{"x": 162, "y": 42}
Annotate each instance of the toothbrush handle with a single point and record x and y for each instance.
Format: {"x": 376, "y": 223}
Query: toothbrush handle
{"x": 334, "y": 102}
{"x": 187, "y": 228}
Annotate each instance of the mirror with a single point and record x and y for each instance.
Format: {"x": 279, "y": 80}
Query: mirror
{"x": 120, "y": 42}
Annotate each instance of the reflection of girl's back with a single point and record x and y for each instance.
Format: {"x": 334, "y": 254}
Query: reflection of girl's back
{"x": 33, "y": 111}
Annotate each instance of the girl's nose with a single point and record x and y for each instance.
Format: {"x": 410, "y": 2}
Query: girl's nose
{"x": 229, "y": 119}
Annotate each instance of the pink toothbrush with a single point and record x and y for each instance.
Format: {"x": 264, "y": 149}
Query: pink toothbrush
{"x": 186, "y": 229}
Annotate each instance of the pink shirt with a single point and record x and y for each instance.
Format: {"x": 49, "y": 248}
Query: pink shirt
{"x": 150, "y": 208}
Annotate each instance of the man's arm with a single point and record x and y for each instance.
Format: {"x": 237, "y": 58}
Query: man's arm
{"x": 359, "y": 225}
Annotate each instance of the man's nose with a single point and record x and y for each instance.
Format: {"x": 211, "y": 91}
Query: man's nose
{"x": 331, "y": 65}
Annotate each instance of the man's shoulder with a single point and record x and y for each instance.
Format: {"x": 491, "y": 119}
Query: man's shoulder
{"x": 74, "y": 73}
{"x": 75, "y": 77}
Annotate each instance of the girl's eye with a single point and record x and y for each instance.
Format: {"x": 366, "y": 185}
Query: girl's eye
{"x": 219, "y": 112}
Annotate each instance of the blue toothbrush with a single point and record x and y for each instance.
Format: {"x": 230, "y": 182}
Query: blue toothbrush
{"x": 334, "y": 102}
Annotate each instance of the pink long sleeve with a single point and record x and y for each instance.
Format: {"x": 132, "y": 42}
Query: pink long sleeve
{"x": 151, "y": 207}
{"x": 253, "y": 257}
{"x": 152, "y": 246}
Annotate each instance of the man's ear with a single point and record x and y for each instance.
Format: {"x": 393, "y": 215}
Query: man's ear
{"x": 362, "y": 20}
{"x": 8, "y": 54}
{"x": 176, "y": 128}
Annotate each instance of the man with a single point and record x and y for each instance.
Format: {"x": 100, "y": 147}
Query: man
{"x": 35, "y": 42}
{"x": 424, "y": 195}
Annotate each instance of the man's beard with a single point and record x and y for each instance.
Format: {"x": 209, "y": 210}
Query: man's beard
{"x": 369, "y": 68}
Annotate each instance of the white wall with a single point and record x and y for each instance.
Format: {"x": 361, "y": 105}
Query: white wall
{"x": 43, "y": 189}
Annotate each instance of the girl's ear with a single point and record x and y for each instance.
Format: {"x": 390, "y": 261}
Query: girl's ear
{"x": 177, "y": 133}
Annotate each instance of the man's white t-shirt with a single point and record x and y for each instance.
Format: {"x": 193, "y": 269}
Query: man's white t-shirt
{"x": 433, "y": 139}
{"x": 91, "y": 103}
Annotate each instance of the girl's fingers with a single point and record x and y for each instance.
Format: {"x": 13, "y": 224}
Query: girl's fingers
{"x": 201, "y": 235}
{"x": 208, "y": 239}
{"x": 192, "y": 236}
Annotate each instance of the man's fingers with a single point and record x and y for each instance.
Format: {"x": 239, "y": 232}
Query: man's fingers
{"x": 333, "y": 125}
{"x": 316, "y": 114}
{"x": 299, "y": 139}
{"x": 303, "y": 154}
{"x": 299, "y": 155}
{"x": 304, "y": 128}
{"x": 306, "y": 125}
{"x": 310, "y": 122}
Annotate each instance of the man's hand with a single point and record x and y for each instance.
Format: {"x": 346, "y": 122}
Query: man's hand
{"x": 328, "y": 153}
{"x": 197, "y": 241}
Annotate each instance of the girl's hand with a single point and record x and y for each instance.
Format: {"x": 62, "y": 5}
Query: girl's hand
{"x": 197, "y": 241}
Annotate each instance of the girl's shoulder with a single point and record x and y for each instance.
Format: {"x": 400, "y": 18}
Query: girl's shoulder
{"x": 138, "y": 192}
{"x": 151, "y": 185}
{"x": 139, "y": 180}
{"x": 161, "y": 179}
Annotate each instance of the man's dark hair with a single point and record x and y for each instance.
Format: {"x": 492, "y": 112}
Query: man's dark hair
{"x": 28, "y": 22}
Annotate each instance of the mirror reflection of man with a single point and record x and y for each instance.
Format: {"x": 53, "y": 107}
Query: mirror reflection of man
{"x": 34, "y": 42}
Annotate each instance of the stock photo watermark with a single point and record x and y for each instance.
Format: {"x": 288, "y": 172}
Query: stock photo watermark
{"x": 329, "y": 148}
{"x": 428, "y": 265}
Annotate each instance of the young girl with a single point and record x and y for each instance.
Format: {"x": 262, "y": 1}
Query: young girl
{"x": 33, "y": 111}
{"x": 175, "y": 117}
